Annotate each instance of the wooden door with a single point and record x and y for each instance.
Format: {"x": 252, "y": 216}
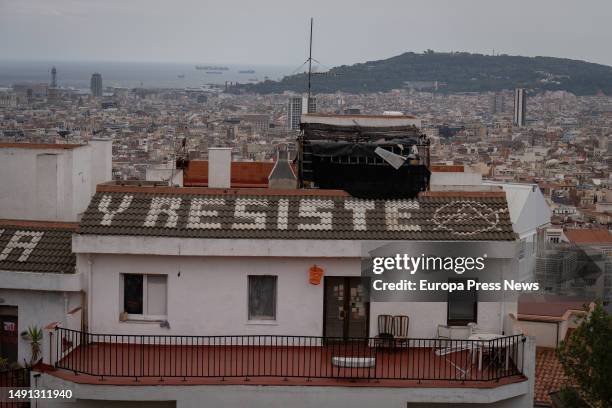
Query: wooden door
{"x": 346, "y": 309}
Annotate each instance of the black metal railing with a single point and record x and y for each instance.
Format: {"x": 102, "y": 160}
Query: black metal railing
{"x": 249, "y": 356}
{"x": 12, "y": 380}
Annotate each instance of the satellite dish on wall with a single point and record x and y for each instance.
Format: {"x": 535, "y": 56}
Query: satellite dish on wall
{"x": 395, "y": 160}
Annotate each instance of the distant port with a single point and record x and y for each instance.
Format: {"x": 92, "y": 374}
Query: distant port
{"x": 247, "y": 71}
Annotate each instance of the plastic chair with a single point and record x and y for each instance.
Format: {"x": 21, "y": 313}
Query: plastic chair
{"x": 400, "y": 328}
{"x": 385, "y": 331}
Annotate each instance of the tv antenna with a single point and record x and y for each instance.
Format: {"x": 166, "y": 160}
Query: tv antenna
{"x": 309, "y": 60}
{"x": 309, "y": 65}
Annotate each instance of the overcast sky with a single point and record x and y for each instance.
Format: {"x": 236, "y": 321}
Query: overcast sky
{"x": 276, "y": 31}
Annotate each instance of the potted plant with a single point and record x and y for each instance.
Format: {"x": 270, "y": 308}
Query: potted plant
{"x": 35, "y": 336}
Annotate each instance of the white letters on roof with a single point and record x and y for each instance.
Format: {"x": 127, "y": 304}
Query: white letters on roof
{"x": 311, "y": 208}
{"x": 109, "y": 215}
{"x": 198, "y": 211}
{"x": 395, "y": 211}
{"x": 26, "y": 246}
{"x": 251, "y": 219}
{"x": 298, "y": 216}
{"x": 163, "y": 205}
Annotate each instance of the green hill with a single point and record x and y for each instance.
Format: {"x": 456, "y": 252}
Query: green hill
{"x": 453, "y": 72}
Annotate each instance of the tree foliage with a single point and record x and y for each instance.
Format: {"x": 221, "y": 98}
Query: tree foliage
{"x": 586, "y": 357}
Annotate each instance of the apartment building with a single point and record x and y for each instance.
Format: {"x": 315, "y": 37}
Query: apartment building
{"x": 219, "y": 296}
{"x": 214, "y": 288}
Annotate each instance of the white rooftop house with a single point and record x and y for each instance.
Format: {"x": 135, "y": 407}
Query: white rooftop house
{"x": 44, "y": 188}
{"x": 52, "y": 182}
{"x": 529, "y": 214}
{"x": 254, "y": 297}
{"x": 528, "y": 209}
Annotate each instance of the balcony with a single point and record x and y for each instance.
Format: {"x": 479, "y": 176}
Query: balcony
{"x": 285, "y": 360}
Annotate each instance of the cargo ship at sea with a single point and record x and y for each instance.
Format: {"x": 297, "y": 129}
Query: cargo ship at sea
{"x": 246, "y": 71}
{"x": 211, "y": 68}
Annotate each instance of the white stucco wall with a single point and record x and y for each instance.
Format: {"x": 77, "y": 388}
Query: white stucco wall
{"x": 425, "y": 316}
{"x": 453, "y": 180}
{"x": 164, "y": 174}
{"x": 37, "y": 308}
{"x": 544, "y": 332}
{"x": 21, "y": 194}
{"x": 33, "y": 187}
{"x": 102, "y": 161}
{"x": 82, "y": 181}
{"x": 210, "y": 295}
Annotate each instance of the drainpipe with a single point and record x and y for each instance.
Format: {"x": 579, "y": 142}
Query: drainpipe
{"x": 502, "y": 306}
{"x": 88, "y": 295}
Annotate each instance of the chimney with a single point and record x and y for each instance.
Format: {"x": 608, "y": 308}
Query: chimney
{"x": 219, "y": 167}
{"x": 282, "y": 175}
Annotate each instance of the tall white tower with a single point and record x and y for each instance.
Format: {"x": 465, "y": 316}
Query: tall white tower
{"x": 294, "y": 112}
{"x": 520, "y": 106}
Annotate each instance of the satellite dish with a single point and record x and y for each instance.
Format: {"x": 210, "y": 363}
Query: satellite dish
{"x": 393, "y": 159}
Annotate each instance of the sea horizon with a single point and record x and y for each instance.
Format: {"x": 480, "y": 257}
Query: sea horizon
{"x": 77, "y": 73}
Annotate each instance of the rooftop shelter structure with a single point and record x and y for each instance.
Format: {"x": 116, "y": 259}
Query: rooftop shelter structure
{"x": 367, "y": 156}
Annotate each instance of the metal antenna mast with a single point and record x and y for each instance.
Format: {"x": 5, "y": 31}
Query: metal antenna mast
{"x": 309, "y": 68}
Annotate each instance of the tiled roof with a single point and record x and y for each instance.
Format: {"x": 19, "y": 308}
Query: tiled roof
{"x": 294, "y": 214}
{"x": 590, "y": 236}
{"x": 549, "y": 375}
{"x": 243, "y": 174}
{"x": 440, "y": 168}
{"x": 36, "y": 246}
{"x": 549, "y": 305}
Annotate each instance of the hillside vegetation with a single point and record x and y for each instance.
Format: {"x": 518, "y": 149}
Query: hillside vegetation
{"x": 453, "y": 72}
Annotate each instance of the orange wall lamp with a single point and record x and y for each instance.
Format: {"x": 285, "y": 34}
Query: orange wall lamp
{"x": 315, "y": 273}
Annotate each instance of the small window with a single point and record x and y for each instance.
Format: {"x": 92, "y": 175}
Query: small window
{"x": 262, "y": 297}
{"x": 462, "y": 306}
{"x": 145, "y": 296}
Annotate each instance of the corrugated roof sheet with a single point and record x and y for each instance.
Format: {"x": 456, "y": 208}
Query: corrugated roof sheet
{"x": 295, "y": 216}
{"x": 35, "y": 246}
